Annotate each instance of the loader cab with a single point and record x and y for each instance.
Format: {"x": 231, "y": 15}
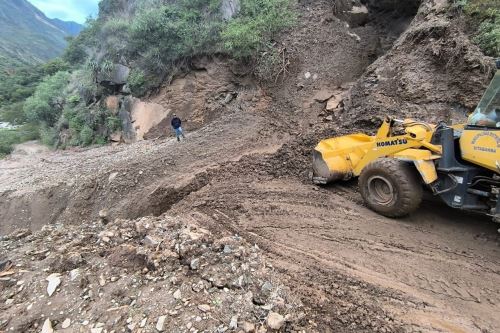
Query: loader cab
{"x": 480, "y": 140}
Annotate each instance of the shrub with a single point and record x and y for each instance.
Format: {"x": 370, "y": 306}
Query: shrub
{"x": 47, "y": 102}
{"x": 257, "y": 23}
{"x": 11, "y": 137}
{"x": 8, "y": 138}
{"x": 485, "y": 15}
{"x": 137, "y": 82}
{"x": 86, "y": 135}
{"x": 48, "y": 135}
{"x": 113, "y": 124}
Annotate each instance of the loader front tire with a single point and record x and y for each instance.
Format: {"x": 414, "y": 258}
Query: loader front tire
{"x": 391, "y": 187}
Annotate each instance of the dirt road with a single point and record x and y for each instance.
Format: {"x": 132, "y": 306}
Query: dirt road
{"x": 437, "y": 270}
{"x": 434, "y": 271}
{"x": 246, "y": 173}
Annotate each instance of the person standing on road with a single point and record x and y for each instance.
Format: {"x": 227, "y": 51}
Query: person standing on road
{"x": 177, "y": 126}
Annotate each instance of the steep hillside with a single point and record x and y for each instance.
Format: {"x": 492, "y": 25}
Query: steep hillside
{"x": 27, "y": 36}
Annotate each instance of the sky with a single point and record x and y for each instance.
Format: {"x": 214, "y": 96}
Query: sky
{"x": 67, "y": 10}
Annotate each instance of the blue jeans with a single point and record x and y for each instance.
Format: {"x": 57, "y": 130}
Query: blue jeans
{"x": 178, "y": 133}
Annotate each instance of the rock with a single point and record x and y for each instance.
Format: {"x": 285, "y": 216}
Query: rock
{"x": 275, "y": 321}
{"x": 204, "y": 308}
{"x": 329, "y": 118}
{"x": 160, "y": 324}
{"x": 307, "y": 75}
{"x": 229, "y": 98}
{"x": 143, "y": 323}
{"x": 96, "y": 330}
{"x": 177, "y": 294}
{"x": 54, "y": 282}
{"x": 74, "y": 274}
{"x": 227, "y": 249}
{"x": 66, "y": 323}
{"x": 116, "y": 136}
{"x": 234, "y": 323}
{"x": 267, "y": 287}
{"x": 113, "y": 104}
{"x": 126, "y": 256}
{"x": 102, "y": 280}
{"x": 248, "y": 327}
{"x": 195, "y": 264}
{"x": 151, "y": 241}
{"x": 118, "y": 76}
{"x": 358, "y": 15}
{"x": 333, "y": 103}
{"x": 322, "y": 96}
{"x": 229, "y": 8}
{"x": 47, "y": 327}
{"x": 112, "y": 177}
{"x": 9, "y": 301}
{"x": 103, "y": 214}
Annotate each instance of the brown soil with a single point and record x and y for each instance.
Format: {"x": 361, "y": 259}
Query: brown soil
{"x": 132, "y": 218}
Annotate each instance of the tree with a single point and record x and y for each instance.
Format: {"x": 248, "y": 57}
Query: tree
{"x": 47, "y": 102}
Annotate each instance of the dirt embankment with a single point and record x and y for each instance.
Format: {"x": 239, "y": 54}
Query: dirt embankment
{"x": 323, "y": 262}
{"x": 433, "y": 72}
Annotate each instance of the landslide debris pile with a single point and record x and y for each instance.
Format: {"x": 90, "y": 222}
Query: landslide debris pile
{"x": 147, "y": 275}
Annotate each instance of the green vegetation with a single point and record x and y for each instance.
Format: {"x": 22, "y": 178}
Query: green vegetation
{"x": 63, "y": 101}
{"x": 258, "y": 22}
{"x": 10, "y": 137}
{"x": 485, "y": 15}
{"x": 28, "y": 36}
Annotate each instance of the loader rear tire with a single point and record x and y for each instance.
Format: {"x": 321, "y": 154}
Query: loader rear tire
{"x": 391, "y": 187}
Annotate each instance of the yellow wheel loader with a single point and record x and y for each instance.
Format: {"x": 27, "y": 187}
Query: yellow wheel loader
{"x": 460, "y": 163}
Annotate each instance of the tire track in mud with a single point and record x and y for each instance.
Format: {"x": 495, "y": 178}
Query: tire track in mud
{"x": 433, "y": 266}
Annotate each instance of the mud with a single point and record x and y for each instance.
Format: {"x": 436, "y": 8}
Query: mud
{"x": 244, "y": 172}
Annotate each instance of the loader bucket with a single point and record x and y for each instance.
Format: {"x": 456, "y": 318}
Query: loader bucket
{"x": 335, "y": 158}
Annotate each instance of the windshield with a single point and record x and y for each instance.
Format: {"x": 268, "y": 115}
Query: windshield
{"x": 487, "y": 113}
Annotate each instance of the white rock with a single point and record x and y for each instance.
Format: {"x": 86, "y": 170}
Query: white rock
{"x": 234, "y": 323}
{"x": 177, "y": 294}
{"x": 160, "y": 325}
{"x": 102, "y": 280}
{"x": 74, "y": 274}
{"x": 54, "y": 282}
{"x": 66, "y": 323}
{"x": 307, "y": 75}
{"x": 47, "y": 327}
{"x": 143, "y": 323}
{"x": 275, "y": 321}
{"x": 195, "y": 264}
{"x": 112, "y": 177}
{"x": 333, "y": 103}
{"x": 204, "y": 307}
{"x": 9, "y": 301}
{"x": 96, "y": 330}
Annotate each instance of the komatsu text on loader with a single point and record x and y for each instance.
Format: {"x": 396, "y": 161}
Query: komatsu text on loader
{"x": 460, "y": 163}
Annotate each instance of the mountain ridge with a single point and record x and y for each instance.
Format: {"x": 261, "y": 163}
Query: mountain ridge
{"x": 28, "y": 36}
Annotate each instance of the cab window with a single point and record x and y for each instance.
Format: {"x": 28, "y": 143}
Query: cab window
{"x": 487, "y": 113}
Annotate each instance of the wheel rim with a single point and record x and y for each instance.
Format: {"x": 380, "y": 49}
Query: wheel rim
{"x": 381, "y": 190}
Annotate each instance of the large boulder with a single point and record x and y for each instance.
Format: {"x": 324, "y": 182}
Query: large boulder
{"x": 230, "y": 8}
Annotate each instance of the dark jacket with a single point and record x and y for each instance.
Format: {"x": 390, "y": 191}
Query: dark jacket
{"x": 176, "y": 123}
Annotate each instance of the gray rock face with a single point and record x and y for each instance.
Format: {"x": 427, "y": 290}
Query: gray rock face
{"x": 118, "y": 76}
{"x": 230, "y": 8}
